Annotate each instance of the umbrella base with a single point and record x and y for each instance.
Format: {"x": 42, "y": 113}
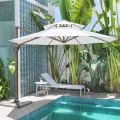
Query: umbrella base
{"x": 22, "y": 104}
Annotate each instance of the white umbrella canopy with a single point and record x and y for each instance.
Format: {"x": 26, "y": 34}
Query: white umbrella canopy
{"x": 63, "y": 33}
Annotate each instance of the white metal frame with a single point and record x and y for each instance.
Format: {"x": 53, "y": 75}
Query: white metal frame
{"x": 43, "y": 88}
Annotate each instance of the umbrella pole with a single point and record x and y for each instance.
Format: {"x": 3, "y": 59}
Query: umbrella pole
{"x": 16, "y": 76}
{"x": 16, "y": 100}
{"x": 16, "y": 49}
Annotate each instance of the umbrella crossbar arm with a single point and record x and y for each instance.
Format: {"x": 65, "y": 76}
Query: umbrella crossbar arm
{"x": 18, "y": 45}
{"x": 23, "y": 29}
{"x": 100, "y": 39}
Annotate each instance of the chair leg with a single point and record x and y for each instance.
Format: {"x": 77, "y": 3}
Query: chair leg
{"x": 84, "y": 90}
{"x": 80, "y": 92}
{"x": 36, "y": 90}
{"x": 46, "y": 89}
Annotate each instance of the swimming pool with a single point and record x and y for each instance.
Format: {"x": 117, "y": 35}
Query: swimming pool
{"x": 77, "y": 108}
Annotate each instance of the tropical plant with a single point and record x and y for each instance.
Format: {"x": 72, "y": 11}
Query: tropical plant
{"x": 76, "y": 63}
{"x": 36, "y": 19}
{"x": 113, "y": 64}
{"x": 78, "y": 11}
{"x": 74, "y": 55}
{"x": 3, "y": 82}
{"x": 36, "y": 14}
{"x": 54, "y": 2}
{"x": 65, "y": 9}
{"x": 11, "y": 66}
{"x": 56, "y": 61}
{"x": 109, "y": 25}
{"x": 4, "y": 79}
{"x": 81, "y": 12}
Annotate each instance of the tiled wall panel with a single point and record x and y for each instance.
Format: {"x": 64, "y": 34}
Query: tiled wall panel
{"x": 33, "y": 58}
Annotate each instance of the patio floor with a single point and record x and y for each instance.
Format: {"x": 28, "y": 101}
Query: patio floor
{"x": 10, "y": 112}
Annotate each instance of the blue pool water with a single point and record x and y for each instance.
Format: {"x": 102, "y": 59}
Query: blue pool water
{"x": 77, "y": 108}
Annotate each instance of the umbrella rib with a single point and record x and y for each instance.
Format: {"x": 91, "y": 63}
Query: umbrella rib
{"x": 77, "y": 41}
{"x": 99, "y": 39}
{"x": 51, "y": 27}
{"x": 68, "y": 38}
{"x": 50, "y": 42}
{"x": 64, "y": 39}
{"x": 72, "y": 38}
{"x": 60, "y": 38}
{"x": 54, "y": 38}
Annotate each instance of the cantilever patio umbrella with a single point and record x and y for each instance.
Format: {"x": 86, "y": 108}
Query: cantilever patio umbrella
{"x": 61, "y": 33}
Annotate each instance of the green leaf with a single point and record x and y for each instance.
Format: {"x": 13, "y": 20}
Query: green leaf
{"x": 11, "y": 65}
{"x": 37, "y": 21}
{"x": 82, "y": 12}
{"x": 54, "y": 2}
{"x": 107, "y": 5}
{"x": 65, "y": 7}
{"x": 96, "y": 49}
{"x": 0, "y": 88}
{"x": 11, "y": 69}
{"x": 118, "y": 31}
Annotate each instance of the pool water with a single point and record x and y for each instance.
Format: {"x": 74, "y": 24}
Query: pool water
{"x": 76, "y": 108}
{"x": 82, "y": 112}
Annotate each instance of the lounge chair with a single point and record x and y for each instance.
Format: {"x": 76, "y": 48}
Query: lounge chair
{"x": 53, "y": 84}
